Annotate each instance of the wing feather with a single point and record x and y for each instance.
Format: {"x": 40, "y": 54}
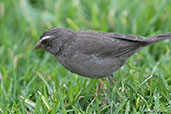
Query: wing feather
{"x": 104, "y": 44}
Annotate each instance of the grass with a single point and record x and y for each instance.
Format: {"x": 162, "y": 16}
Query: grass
{"x": 32, "y": 81}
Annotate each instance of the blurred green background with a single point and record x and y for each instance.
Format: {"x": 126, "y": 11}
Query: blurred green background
{"x": 33, "y": 81}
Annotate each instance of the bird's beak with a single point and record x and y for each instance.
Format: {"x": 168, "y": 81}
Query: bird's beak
{"x": 37, "y": 46}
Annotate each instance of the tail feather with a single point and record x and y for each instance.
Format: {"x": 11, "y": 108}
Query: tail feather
{"x": 159, "y": 37}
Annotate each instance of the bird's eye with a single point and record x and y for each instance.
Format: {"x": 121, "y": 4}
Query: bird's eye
{"x": 46, "y": 43}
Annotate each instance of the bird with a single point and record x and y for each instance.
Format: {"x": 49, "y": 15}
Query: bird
{"x": 91, "y": 53}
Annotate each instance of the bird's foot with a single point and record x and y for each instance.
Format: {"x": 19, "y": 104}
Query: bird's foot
{"x": 103, "y": 102}
{"x": 99, "y": 86}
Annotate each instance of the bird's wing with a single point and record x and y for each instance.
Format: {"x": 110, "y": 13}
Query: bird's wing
{"x": 126, "y": 37}
{"x": 114, "y": 35}
{"x": 106, "y": 44}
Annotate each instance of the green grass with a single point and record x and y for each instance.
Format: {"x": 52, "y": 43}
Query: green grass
{"x": 32, "y": 81}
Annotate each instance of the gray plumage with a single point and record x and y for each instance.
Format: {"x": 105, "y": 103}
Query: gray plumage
{"x": 91, "y": 53}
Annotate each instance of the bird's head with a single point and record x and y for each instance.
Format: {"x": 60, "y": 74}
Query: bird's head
{"x": 52, "y": 39}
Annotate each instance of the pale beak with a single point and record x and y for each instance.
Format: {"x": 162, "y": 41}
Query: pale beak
{"x": 37, "y": 46}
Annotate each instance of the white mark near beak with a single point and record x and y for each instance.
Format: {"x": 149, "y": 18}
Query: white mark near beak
{"x": 46, "y": 37}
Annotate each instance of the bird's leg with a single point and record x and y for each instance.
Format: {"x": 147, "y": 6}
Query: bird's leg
{"x": 110, "y": 84}
{"x": 105, "y": 99}
{"x": 99, "y": 86}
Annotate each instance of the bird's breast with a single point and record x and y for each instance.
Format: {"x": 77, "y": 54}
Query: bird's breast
{"x": 90, "y": 65}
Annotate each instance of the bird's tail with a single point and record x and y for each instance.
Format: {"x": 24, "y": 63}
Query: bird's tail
{"x": 159, "y": 37}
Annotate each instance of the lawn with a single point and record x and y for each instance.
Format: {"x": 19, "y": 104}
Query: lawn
{"x": 32, "y": 81}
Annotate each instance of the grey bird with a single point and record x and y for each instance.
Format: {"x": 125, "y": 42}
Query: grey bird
{"x": 90, "y": 53}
